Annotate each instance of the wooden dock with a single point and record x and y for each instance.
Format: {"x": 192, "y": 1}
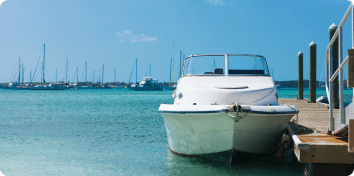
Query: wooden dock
{"x": 320, "y": 153}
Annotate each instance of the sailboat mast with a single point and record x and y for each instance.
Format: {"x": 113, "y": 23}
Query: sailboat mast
{"x": 93, "y": 79}
{"x": 66, "y": 72}
{"x": 77, "y": 75}
{"x": 136, "y": 71}
{"x": 19, "y": 70}
{"x": 114, "y": 74}
{"x": 102, "y": 72}
{"x": 173, "y": 55}
{"x": 43, "y": 64}
{"x": 23, "y": 74}
{"x": 56, "y": 75}
{"x": 86, "y": 72}
{"x": 170, "y": 70}
{"x": 150, "y": 70}
{"x": 31, "y": 77}
{"x": 42, "y": 74}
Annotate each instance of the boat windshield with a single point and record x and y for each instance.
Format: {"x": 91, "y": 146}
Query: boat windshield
{"x": 215, "y": 65}
{"x": 247, "y": 65}
{"x": 203, "y": 65}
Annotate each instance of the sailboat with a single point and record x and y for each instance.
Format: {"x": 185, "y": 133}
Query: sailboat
{"x": 169, "y": 87}
{"x": 51, "y": 86}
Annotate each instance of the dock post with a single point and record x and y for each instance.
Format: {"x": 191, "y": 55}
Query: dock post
{"x": 312, "y": 86}
{"x": 351, "y": 136}
{"x": 332, "y": 29}
{"x": 350, "y": 78}
{"x": 301, "y": 76}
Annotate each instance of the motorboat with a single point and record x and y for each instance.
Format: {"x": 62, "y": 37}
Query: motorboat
{"x": 147, "y": 83}
{"x": 225, "y": 104}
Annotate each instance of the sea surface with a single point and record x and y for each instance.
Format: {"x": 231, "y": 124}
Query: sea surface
{"x": 107, "y": 132}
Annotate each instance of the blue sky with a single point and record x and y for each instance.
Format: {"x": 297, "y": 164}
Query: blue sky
{"x": 116, "y": 32}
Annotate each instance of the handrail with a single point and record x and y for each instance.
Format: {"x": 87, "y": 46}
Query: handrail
{"x": 335, "y": 74}
{"x": 344, "y": 19}
{"x": 330, "y": 76}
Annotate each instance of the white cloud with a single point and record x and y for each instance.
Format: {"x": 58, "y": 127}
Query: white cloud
{"x": 129, "y": 36}
{"x": 216, "y": 2}
{"x": 1, "y": 1}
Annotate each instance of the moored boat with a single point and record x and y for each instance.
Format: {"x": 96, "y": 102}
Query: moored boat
{"x": 51, "y": 86}
{"x": 225, "y": 104}
{"x": 146, "y": 84}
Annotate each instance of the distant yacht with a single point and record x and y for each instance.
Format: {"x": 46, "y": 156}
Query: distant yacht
{"x": 147, "y": 83}
{"x": 51, "y": 86}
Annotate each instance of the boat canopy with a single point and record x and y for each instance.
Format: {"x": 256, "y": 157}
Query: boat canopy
{"x": 225, "y": 65}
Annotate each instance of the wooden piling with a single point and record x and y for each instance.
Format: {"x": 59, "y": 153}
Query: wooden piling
{"x": 332, "y": 29}
{"x": 312, "y": 86}
{"x": 301, "y": 76}
{"x": 350, "y": 79}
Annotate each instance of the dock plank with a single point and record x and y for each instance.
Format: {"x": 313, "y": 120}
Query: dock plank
{"x": 312, "y": 116}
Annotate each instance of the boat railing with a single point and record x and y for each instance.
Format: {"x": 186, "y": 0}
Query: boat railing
{"x": 330, "y": 76}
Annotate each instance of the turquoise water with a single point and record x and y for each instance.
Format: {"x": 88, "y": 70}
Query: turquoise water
{"x": 293, "y": 93}
{"x": 104, "y": 132}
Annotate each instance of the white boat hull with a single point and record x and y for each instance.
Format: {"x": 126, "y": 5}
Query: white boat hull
{"x": 204, "y": 133}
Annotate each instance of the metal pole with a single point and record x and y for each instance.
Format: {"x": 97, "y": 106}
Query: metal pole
{"x": 183, "y": 64}
{"x": 19, "y": 70}
{"x": 114, "y": 74}
{"x": 42, "y": 75}
{"x": 330, "y": 98}
{"x": 226, "y": 66}
{"x": 44, "y": 64}
{"x": 23, "y": 74}
{"x": 66, "y": 72}
{"x": 301, "y": 76}
{"x": 312, "y": 86}
{"x": 341, "y": 100}
{"x": 173, "y": 55}
{"x": 86, "y": 72}
{"x": 77, "y": 76}
{"x": 170, "y": 71}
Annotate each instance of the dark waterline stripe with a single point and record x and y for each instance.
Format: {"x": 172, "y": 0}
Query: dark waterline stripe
{"x": 225, "y": 110}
